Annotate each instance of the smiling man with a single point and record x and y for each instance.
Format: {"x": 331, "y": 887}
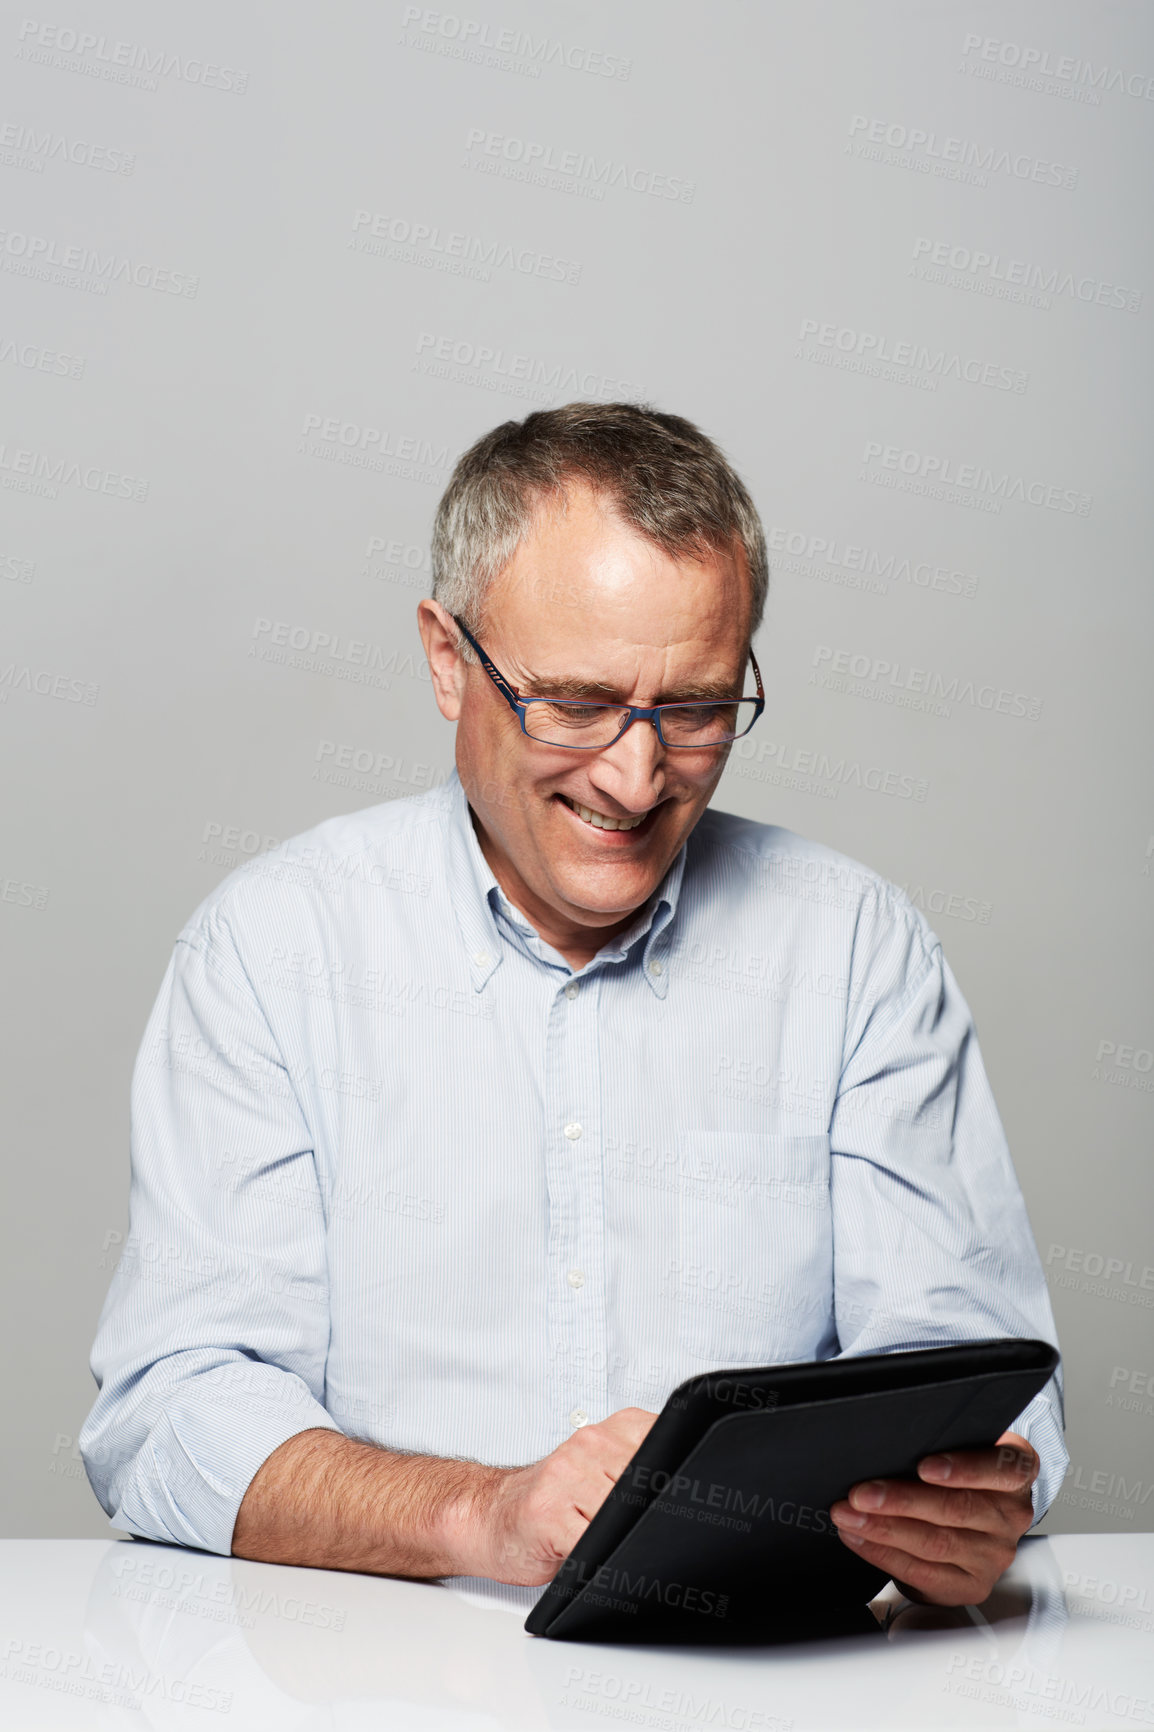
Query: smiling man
{"x": 579, "y": 837}
{"x": 468, "y": 1125}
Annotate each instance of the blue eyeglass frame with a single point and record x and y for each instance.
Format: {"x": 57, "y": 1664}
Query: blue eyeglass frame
{"x": 634, "y": 712}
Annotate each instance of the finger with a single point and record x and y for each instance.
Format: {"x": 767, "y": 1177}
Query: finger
{"x": 595, "y": 1481}
{"x": 942, "y": 1506}
{"x": 605, "y": 1446}
{"x": 617, "y": 1438}
{"x": 967, "y": 1549}
{"x": 634, "y": 1425}
{"x": 631, "y": 1420}
{"x": 570, "y": 1529}
{"x": 942, "y": 1584}
{"x": 592, "y": 1494}
{"x": 1009, "y": 1466}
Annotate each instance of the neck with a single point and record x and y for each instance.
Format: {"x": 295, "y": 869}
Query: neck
{"x": 577, "y": 941}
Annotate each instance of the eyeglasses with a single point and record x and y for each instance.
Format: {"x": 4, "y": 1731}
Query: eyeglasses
{"x": 584, "y": 727}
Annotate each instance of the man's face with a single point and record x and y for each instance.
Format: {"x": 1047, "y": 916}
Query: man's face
{"x": 587, "y": 607}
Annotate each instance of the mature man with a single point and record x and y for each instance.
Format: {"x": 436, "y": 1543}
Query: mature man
{"x": 467, "y": 1125}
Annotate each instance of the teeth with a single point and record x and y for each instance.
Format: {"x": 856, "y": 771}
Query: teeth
{"x": 600, "y": 822}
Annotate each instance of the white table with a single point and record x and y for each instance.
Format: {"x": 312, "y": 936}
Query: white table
{"x": 110, "y": 1634}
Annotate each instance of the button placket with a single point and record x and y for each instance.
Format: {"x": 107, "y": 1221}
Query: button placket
{"x": 576, "y": 1252}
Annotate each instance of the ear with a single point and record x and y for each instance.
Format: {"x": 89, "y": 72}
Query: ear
{"x": 449, "y": 673}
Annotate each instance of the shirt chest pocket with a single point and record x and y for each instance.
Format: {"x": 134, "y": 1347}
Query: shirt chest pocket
{"x": 753, "y": 1277}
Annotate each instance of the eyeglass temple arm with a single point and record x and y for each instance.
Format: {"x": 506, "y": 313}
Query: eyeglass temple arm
{"x": 510, "y": 693}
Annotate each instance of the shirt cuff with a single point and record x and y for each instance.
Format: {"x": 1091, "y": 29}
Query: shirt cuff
{"x": 1041, "y": 1425}
{"x": 196, "y": 1465}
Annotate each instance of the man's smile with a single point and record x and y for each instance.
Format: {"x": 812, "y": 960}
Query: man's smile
{"x": 605, "y": 821}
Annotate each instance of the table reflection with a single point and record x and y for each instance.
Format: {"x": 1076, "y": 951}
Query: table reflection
{"x": 294, "y": 1649}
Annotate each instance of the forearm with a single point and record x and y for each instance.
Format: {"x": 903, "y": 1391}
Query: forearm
{"x": 333, "y": 1503}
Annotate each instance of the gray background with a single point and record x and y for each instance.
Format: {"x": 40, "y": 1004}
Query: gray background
{"x": 155, "y": 733}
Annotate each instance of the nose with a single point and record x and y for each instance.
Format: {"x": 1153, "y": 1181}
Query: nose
{"x": 632, "y": 770}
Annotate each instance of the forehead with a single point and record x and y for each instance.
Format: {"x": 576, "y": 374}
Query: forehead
{"x": 585, "y": 578}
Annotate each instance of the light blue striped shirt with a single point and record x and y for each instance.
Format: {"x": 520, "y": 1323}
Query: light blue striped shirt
{"x": 399, "y": 1170}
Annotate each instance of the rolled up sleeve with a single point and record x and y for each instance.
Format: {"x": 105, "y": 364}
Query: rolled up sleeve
{"x": 932, "y": 1242}
{"x": 210, "y": 1351}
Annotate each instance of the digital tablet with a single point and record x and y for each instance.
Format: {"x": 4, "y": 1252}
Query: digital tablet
{"x": 718, "y": 1529}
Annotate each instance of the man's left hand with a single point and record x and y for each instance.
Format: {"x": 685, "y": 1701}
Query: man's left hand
{"x": 947, "y": 1536}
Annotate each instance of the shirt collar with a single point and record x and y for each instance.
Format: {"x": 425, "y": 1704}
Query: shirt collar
{"x": 476, "y": 896}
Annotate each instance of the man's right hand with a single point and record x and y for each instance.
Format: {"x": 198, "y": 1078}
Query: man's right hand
{"x": 335, "y": 1503}
{"x": 522, "y": 1525}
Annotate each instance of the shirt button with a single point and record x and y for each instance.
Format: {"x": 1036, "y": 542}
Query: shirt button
{"x": 572, "y": 1132}
{"x": 480, "y": 957}
{"x": 571, "y": 989}
{"x": 655, "y": 968}
{"x": 576, "y": 1278}
{"x": 578, "y": 1417}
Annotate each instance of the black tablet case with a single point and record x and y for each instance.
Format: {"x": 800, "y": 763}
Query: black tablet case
{"x": 718, "y": 1529}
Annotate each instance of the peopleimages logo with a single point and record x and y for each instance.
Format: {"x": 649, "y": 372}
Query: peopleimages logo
{"x": 644, "y": 1701}
{"x": 379, "y": 449}
{"x": 50, "y": 260}
{"x": 1066, "y": 68}
{"x": 507, "y": 50}
{"x": 633, "y": 1589}
{"x": 113, "y": 1683}
{"x": 948, "y": 157}
{"x": 16, "y": 570}
{"x": 26, "y": 471}
{"x": 46, "y": 684}
{"x": 913, "y": 688}
{"x": 950, "y": 902}
{"x": 941, "y": 473}
{"x": 1123, "y": 1066}
{"x": 39, "y": 360}
{"x": 850, "y": 563}
{"x": 452, "y": 250}
{"x": 567, "y": 170}
{"x": 120, "y": 62}
{"x": 1014, "y": 279}
{"x": 26, "y": 147}
{"x": 398, "y": 562}
{"x": 333, "y": 757}
{"x": 492, "y": 368}
{"x": 325, "y": 652}
{"x": 809, "y": 770}
{"x": 885, "y": 356}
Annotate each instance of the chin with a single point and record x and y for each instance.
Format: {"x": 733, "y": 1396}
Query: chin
{"x": 622, "y": 888}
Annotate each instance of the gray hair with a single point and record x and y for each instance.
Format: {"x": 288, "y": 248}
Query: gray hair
{"x": 664, "y": 476}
